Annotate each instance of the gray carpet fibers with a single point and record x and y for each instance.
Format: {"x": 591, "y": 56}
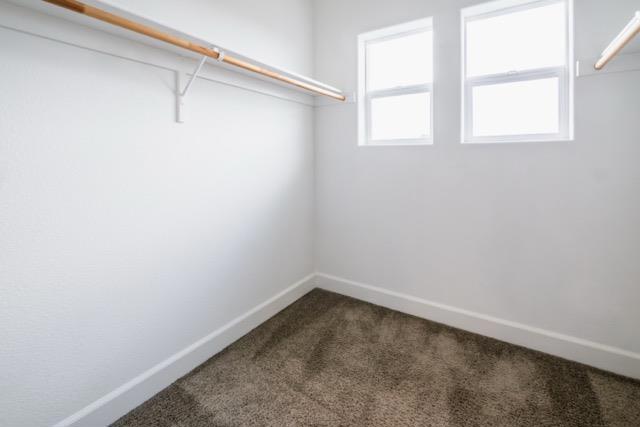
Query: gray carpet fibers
{"x": 330, "y": 360}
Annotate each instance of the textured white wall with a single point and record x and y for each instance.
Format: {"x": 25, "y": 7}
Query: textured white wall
{"x": 125, "y": 237}
{"x": 544, "y": 234}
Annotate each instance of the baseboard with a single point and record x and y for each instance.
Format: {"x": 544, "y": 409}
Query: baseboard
{"x": 590, "y": 353}
{"x": 112, "y": 406}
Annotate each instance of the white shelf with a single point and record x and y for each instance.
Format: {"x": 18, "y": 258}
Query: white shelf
{"x": 92, "y": 23}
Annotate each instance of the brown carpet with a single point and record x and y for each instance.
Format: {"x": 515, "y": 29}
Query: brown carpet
{"x": 329, "y": 360}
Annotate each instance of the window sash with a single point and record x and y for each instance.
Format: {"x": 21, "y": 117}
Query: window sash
{"x": 385, "y": 93}
{"x": 382, "y": 39}
{"x": 560, "y": 73}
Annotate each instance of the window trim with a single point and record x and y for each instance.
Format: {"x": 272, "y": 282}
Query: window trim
{"x": 365, "y": 97}
{"x": 563, "y": 73}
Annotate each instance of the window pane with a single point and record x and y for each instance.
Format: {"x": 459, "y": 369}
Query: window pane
{"x": 401, "y": 61}
{"x": 523, "y": 40}
{"x": 401, "y": 117}
{"x": 521, "y": 108}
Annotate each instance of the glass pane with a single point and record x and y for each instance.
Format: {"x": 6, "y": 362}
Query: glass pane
{"x": 401, "y": 61}
{"x": 529, "y": 107}
{"x": 401, "y": 117}
{"x": 524, "y": 40}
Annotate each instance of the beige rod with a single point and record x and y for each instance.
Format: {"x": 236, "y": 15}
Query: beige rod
{"x": 119, "y": 21}
{"x": 629, "y": 32}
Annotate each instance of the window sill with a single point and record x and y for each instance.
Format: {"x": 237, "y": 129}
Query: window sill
{"x": 397, "y": 143}
{"x": 517, "y": 141}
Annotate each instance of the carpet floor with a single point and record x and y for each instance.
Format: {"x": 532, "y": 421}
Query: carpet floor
{"x": 330, "y": 360}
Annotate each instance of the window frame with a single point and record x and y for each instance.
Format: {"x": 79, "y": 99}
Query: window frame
{"x": 564, "y": 74}
{"x": 365, "y": 96}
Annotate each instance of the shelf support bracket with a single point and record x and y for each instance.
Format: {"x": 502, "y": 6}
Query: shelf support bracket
{"x": 182, "y": 94}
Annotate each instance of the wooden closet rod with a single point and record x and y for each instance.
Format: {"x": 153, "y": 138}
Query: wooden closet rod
{"x": 628, "y": 33}
{"x": 119, "y": 21}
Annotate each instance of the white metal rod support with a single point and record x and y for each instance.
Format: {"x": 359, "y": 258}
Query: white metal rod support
{"x": 181, "y": 95}
{"x": 194, "y": 76}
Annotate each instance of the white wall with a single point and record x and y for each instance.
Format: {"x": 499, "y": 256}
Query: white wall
{"x": 543, "y": 234}
{"x": 125, "y": 237}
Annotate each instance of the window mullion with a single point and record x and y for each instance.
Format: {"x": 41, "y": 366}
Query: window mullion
{"x": 535, "y": 74}
{"x": 399, "y": 91}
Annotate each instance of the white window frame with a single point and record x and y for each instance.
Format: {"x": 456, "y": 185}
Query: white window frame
{"x": 565, "y": 74}
{"x": 365, "y": 97}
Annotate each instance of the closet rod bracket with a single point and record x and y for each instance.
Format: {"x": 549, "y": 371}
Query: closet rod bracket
{"x": 221, "y": 54}
{"x": 182, "y": 94}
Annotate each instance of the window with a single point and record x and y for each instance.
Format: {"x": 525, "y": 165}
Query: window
{"x": 517, "y": 68}
{"x": 395, "y": 85}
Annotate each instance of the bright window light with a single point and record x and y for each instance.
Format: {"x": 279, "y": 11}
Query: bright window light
{"x": 518, "y": 108}
{"x": 401, "y": 61}
{"x": 401, "y": 117}
{"x": 518, "y": 41}
{"x": 395, "y": 85}
{"x": 517, "y": 70}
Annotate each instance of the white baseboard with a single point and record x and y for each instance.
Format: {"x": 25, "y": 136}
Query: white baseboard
{"x": 112, "y": 406}
{"x": 590, "y": 353}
